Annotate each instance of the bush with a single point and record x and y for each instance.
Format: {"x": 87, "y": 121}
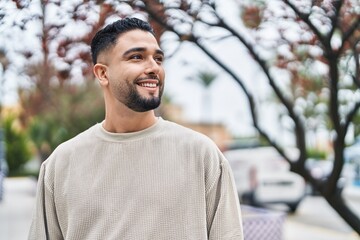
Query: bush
{"x": 17, "y": 150}
{"x": 75, "y": 109}
{"x": 317, "y": 154}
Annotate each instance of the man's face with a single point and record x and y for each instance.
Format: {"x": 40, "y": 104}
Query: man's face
{"x": 135, "y": 71}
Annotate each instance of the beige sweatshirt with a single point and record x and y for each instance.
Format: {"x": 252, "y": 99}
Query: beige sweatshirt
{"x": 166, "y": 182}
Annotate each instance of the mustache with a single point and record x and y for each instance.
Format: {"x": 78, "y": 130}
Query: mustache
{"x": 155, "y": 77}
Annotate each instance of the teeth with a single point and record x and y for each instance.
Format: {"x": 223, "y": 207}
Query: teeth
{"x": 151, "y": 85}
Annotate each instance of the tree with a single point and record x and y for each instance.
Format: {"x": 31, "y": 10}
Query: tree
{"x": 48, "y": 100}
{"x": 205, "y": 78}
{"x": 58, "y": 64}
{"x": 76, "y": 108}
{"x": 308, "y": 33}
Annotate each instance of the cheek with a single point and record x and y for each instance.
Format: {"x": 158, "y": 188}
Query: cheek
{"x": 162, "y": 74}
{"x": 130, "y": 73}
{"x": 118, "y": 76}
{"x": 111, "y": 75}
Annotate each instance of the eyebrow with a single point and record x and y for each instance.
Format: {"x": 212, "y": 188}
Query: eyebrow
{"x": 141, "y": 49}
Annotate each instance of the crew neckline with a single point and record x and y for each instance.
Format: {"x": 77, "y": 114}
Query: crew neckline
{"x": 118, "y": 137}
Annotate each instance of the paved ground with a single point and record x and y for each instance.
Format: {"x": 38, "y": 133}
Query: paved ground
{"x": 16, "y": 208}
{"x": 314, "y": 220}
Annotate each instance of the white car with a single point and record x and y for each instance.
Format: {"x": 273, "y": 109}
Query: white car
{"x": 263, "y": 177}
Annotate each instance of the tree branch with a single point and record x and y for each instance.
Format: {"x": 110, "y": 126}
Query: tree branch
{"x": 335, "y": 18}
{"x": 299, "y": 128}
{"x": 252, "y": 105}
{"x": 250, "y": 97}
{"x": 305, "y": 18}
{"x": 175, "y": 51}
{"x": 350, "y": 116}
{"x": 355, "y": 26}
{"x": 356, "y": 76}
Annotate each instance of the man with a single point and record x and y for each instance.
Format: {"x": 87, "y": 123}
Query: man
{"x": 135, "y": 176}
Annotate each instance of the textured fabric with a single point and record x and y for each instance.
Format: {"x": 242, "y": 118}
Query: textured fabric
{"x": 166, "y": 182}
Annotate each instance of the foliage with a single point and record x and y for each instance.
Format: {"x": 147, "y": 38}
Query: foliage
{"x": 17, "y": 146}
{"x": 56, "y": 67}
{"x": 316, "y": 154}
{"x": 204, "y": 77}
{"x": 77, "y": 108}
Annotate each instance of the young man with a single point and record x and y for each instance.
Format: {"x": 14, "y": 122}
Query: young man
{"x": 135, "y": 176}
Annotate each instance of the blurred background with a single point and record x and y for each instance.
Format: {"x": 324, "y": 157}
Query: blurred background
{"x": 274, "y": 83}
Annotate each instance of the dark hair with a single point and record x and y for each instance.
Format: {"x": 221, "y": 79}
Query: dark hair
{"x": 108, "y": 36}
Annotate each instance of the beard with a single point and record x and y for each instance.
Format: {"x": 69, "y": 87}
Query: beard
{"x": 138, "y": 103}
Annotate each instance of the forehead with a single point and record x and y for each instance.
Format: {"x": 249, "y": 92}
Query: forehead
{"x": 136, "y": 38}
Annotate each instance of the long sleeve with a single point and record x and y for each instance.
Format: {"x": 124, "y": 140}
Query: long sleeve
{"x": 94, "y": 185}
{"x": 44, "y": 223}
{"x": 223, "y": 208}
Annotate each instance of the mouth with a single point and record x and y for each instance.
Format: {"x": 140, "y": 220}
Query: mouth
{"x": 149, "y": 82}
{"x": 146, "y": 84}
{"x": 149, "y": 86}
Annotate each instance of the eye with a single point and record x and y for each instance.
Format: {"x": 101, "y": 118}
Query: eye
{"x": 159, "y": 59}
{"x": 136, "y": 57}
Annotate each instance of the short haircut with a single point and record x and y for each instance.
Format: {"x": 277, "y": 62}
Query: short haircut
{"x": 108, "y": 36}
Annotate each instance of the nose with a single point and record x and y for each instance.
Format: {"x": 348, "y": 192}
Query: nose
{"x": 152, "y": 67}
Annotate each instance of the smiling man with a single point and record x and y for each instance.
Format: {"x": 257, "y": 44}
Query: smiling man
{"x": 135, "y": 175}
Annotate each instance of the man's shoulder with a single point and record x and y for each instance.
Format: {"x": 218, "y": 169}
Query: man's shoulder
{"x": 177, "y": 128}
{"x": 79, "y": 141}
{"x": 183, "y": 132}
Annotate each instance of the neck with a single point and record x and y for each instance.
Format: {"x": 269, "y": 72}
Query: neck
{"x": 130, "y": 122}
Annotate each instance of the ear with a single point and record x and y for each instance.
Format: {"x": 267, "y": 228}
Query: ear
{"x": 101, "y": 74}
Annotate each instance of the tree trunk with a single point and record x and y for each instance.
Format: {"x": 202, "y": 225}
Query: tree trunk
{"x": 338, "y": 204}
